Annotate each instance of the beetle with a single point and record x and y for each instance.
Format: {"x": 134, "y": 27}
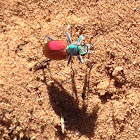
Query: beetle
{"x": 59, "y": 49}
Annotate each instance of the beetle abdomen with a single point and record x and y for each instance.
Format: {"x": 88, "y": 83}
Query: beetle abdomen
{"x": 55, "y": 50}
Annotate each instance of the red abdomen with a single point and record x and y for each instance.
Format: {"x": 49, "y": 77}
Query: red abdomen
{"x": 55, "y": 50}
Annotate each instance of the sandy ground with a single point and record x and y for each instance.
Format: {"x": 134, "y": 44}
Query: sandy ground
{"x": 99, "y": 100}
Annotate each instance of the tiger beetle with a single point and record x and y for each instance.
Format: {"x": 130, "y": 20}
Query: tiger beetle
{"x": 59, "y": 50}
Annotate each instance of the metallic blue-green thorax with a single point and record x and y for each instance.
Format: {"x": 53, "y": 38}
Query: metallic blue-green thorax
{"x": 74, "y": 50}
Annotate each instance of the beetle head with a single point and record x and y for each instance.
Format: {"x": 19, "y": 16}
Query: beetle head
{"x": 83, "y": 49}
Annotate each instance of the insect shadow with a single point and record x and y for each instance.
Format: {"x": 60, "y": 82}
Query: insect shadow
{"x": 76, "y": 119}
{"x": 86, "y": 87}
{"x": 74, "y": 89}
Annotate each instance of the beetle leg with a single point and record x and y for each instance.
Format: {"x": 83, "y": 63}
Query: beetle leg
{"x": 80, "y": 39}
{"x": 80, "y": 58}
{"x": 47, "y": 61}
{"x": 69, "y": 60}
{"x": 68, "y": 37}
{"x": 48, "y": 37}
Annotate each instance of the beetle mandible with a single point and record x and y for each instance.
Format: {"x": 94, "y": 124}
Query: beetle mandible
{"x": 59, "y": 50}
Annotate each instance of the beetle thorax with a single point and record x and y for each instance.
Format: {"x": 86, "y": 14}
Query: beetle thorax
{"x": 74, "y": 50}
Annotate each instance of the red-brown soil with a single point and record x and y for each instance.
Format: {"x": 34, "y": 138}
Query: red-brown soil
{"x": 99, "y": 100}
